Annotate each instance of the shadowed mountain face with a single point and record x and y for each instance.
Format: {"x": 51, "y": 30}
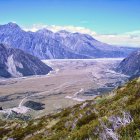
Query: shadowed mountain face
{"x": 47, "y": 45}
{"x": 131, "y": 65}
{"x": 16, "y": 63}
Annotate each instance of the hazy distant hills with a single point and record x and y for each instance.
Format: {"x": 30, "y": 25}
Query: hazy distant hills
{"x": 16, "y": 63}
{"x": 48, "y": 45}
{"x": 131, "y": 65}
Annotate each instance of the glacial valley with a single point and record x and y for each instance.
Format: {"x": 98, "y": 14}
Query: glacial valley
{"x": 71, "y": 82}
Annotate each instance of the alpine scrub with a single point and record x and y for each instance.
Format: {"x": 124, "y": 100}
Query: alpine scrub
{"x": 114, "y": 116}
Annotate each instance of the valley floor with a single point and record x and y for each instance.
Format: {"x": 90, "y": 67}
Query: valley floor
{"x": 70, "y": 82}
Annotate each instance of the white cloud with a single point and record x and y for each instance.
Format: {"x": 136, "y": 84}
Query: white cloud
{"x": 56, "y": 28}
{"x": 125, "y": 39}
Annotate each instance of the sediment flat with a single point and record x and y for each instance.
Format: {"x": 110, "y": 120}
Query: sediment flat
{"x": 70, "y": 82}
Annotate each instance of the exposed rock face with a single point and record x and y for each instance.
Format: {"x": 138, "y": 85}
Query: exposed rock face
{"x": 45, "y": 44}
{"x": 16, "y": 63}
{"x": 130, "y": 65}
{"x": 87, "y": 45}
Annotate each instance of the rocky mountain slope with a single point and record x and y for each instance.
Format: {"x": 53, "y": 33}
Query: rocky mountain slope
{"x": 16, "y": 63}
{"x": 45, "y": 44}
{"x": 131, "y": 65}
{"x": 114, "y": 116}
{"x": 87, "y": 45}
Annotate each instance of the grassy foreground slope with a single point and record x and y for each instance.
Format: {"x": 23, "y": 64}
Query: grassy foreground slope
{"x": 115, "y": 116}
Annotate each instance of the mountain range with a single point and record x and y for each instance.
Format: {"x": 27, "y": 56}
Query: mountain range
{"x": 113, "y": 116}
{"x": 46, "y": 44}
{"x": 17, "y": 63}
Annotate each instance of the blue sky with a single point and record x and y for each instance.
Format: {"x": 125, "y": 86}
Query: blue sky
{"x": 102, "y": 16}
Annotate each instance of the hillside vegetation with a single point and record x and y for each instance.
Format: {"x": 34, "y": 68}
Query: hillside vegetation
{"x": 115, "y": 116}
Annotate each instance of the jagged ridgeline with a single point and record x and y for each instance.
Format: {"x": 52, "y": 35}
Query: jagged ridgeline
{"x": 46, "y": 44}
{"x": 115, "y": 116}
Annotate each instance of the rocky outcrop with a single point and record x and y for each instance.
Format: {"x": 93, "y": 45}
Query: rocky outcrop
{"x": 130, "y": 65}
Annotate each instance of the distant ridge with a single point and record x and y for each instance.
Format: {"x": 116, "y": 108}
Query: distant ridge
{"x": 60, "y": 45}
